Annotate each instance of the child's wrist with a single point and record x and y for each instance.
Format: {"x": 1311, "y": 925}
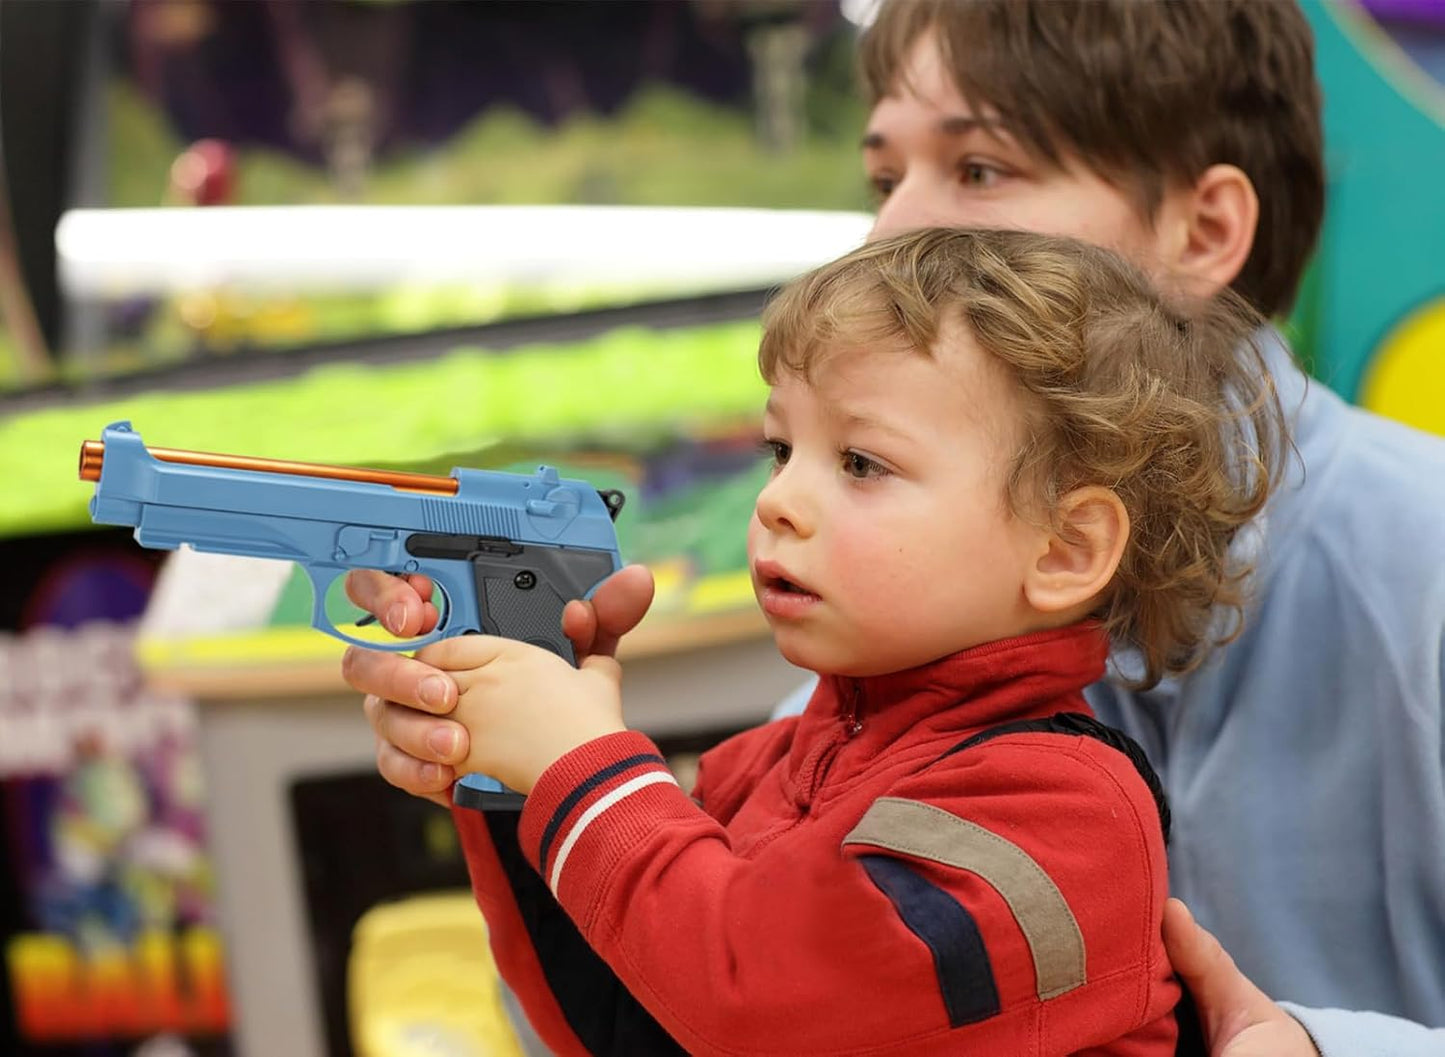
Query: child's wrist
{"x": 524, "y": 767}
{"x": 568, "y": 742}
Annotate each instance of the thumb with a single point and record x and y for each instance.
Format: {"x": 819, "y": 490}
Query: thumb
{"x": 1228, "y": 1002}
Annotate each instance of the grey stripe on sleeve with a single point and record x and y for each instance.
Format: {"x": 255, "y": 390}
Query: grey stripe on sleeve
{"x": 914, "y": 828}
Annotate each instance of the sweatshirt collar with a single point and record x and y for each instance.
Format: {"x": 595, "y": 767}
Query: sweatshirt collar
{"x": 1013, "y": 678}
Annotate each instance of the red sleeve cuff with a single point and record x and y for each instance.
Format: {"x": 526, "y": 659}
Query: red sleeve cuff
{"x": 611, "y": 785}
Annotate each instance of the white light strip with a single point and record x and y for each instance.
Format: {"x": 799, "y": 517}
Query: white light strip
{"x": 131, "y": 252}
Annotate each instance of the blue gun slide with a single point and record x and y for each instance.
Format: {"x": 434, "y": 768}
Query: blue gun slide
{"x": 506, "y": 551}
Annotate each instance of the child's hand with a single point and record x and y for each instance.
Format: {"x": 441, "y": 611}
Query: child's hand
{"x": 417, "y": 748}
{"x": 524, "y": 707}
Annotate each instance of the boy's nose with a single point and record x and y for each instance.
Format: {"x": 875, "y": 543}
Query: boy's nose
{"x": 781, "y": 505}
{"x": 919, "y": 201}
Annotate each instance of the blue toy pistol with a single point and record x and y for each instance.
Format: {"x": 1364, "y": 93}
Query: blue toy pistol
{"x": 506, "y": 551}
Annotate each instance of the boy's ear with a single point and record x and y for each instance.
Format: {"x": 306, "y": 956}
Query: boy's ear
{"x": 1078, "y": 558}
{"x": 1217, "y": 219}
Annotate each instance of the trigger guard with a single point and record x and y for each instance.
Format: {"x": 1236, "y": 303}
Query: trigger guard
{"x": 321, "y": 620}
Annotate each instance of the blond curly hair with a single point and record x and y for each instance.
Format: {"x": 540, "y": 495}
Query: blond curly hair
{"x": 1173, "y": 410}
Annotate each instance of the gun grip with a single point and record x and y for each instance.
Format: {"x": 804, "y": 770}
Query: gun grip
{"x": 481, "y": 793}
{"x": 521, "y": 591}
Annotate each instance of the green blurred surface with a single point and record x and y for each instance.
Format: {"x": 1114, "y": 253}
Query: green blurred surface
{"x": 627, "y": 388}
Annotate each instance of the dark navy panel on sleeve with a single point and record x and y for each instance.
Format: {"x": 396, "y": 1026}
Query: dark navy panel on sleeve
{"x": 960, "y": 959}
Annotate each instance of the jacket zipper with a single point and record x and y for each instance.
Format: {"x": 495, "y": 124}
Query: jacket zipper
{"x": 851, "y": 722}
{"x": 852, "y": 715}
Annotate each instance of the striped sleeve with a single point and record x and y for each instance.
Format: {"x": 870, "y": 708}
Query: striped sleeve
{"x": 621, "y": 778}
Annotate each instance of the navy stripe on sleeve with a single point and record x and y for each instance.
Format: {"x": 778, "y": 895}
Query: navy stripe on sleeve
{"x": 554, "y": 824}
{"x": 943, "y": 923}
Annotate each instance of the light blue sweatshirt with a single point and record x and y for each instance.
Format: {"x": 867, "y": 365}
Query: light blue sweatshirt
{"x": 1305, "y": 762}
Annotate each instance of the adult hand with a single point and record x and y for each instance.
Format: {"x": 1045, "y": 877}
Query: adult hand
{"x": 1239, "y": 1019}
{"x": 417, "y": 748}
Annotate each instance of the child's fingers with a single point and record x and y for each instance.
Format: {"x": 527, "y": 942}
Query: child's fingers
{"x": 464, "y": 653}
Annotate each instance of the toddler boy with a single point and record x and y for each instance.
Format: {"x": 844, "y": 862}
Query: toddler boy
{"x": 995, "y": 453}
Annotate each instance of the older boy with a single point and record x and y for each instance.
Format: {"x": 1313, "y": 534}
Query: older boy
{"x": 1305, "y": 764}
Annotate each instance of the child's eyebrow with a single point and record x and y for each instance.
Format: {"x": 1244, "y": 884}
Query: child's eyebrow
{"x": 858, "y": 420}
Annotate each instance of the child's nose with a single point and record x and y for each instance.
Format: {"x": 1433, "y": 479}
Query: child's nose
{"x": 782, "y": 504}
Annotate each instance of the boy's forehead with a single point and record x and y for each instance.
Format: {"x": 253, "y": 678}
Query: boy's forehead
{"x": 915, "y": 401}
{"x": 926, "y": 92}
{"x": 852, "y": 378}
{"x": 923, "y": 83}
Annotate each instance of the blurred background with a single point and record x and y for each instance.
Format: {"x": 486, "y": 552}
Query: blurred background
{"x": 415, "y": 235}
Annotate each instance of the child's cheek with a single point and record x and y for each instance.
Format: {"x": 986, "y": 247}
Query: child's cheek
{"x": 862, "y": 564}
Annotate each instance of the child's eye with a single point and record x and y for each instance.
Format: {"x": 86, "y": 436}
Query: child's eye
{"x": 858, "y": 465}
{"x": 777, "y": 450}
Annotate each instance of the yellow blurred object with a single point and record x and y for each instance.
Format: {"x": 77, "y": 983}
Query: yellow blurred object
{"x": 421, "y": 982}
{"x": 1406, "y": 381}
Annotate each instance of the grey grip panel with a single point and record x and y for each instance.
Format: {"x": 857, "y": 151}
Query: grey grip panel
{"x": 514, "y": 610}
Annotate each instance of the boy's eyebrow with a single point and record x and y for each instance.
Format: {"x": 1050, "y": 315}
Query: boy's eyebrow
{"x": 847, "y": 418}
{"x": 859, "y": 420}
{"x": 954, "y": 125}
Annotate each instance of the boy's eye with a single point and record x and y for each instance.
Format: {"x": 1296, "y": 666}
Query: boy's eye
{"x": 778, "y": 450}
{"x": 860, "y": 466}
{"x": 882, "y": 185}
{"x": 978, "y": 174}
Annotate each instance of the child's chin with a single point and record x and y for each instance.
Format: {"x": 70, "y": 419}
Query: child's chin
{"x": 815, "y": 657}
{"x": 797, "y": 650}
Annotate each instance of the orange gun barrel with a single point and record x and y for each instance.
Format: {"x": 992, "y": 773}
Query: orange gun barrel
{"x": 92, "y": 458}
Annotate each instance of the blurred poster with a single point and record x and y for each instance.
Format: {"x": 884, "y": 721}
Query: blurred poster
{"x": 110, "y": 940}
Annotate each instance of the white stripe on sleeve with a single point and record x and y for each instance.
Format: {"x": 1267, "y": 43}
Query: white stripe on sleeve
{"x": 603, "y": 803}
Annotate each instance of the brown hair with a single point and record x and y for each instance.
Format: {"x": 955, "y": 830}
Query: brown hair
{"x": 1144, "y": 93}
{"x": 1176, "y": 414}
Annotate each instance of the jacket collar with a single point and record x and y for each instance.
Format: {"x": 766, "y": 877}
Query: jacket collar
{"x": 1017, "y": 678}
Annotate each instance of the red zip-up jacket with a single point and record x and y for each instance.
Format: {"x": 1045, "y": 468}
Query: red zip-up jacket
{"x": 843, "y": 883}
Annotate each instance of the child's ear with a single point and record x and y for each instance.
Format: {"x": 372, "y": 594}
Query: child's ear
{"x": 1217, "y": 219}
{"x": 1078, "y": 558}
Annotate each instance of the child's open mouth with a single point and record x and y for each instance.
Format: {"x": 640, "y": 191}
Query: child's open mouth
{"x": 782, "y": 597}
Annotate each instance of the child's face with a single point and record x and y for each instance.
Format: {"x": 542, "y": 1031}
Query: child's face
{"x": 938, "y": 164}
{"x": 885, "y": 538}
